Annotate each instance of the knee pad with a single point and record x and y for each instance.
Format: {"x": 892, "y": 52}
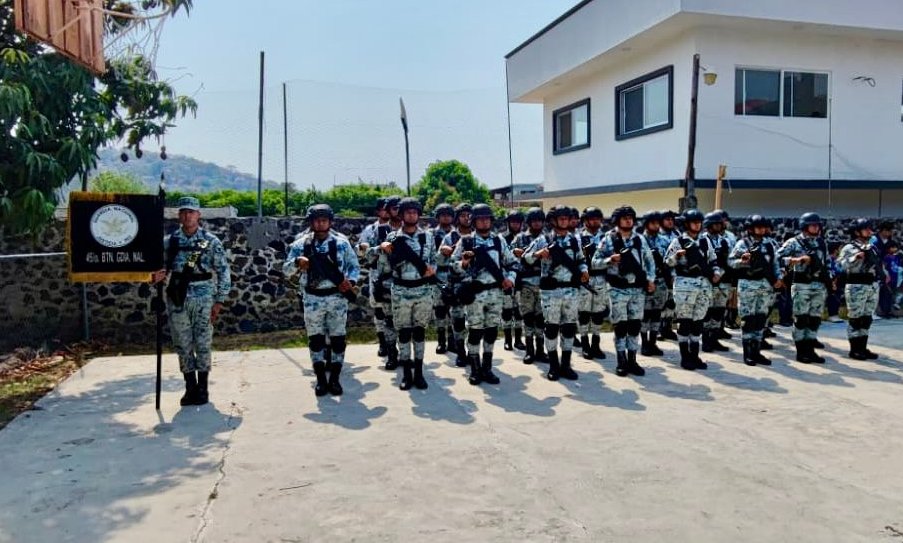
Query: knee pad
{"x": 507, "y": 314}
{"x": 528, "y": 320}
{"x": 814, "y": 323}
{"x": 583, "y": 317}
{"x": 801, "y": 321}
{"x": 568, "y": 330}
{"x": 598, "y": 318}
{"x": 419, "y": 334}
{"x": 317, "y": 343}
{"x": 634, "y": 326}
{"x": 750, "y": 324}
{"x": 551, "y": 331}
{"x": 621, "y": 329}
{"x": 866, "y": 322}
{"x": 379, "y": 313}
{"x": 474, "y": 336}
{"x": 517, "y": 315}
{"x": 405, "y": 335}
{"x": 696, "y": 328}
{"x": 337, "y": 344}
{"x": 605, "y": 313}
{"x": 390, "y": 322}
{"x": 711, "y": 314}
{"x": 540, "y": 322}
{"x": 720, "y": 312}
{"x": 655, "y": 315}
{"x": 441, "y": 311}
{"x": 490, "y": 334}
{"x": 459, "y": 324}
{"x": 684, "y": 327}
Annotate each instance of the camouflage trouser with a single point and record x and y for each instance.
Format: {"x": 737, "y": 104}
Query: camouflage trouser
{"x": 692, "y": 298}
{"x": 560, "y": 310}
{"x": 593, "y": 303}
{"x": 325, "y": 316}
{"x": 721, "y": 293}
{"x": 627, "y": 305}
{"x": 382, "y": 318}
{"x": 528, "y": 300}
{"x": 510, "y": 313}
{"x": 808, "y": 305}
{"x": 483, "y": 314}
{"x": 192, "y": 333}
{"x": 862, "y": 300}
{"x": 458, "y": 316}
{"x": 655, "y": 305}
{"x": 439, "y": 308}
{"x": 412, "y": 308}
{"x": 755, "y": 298}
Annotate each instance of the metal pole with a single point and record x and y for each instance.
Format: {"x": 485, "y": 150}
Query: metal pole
{"x": 260, "y": 145}
{"x": 689, "y": 200}
{"x": 158, "y": 305}
{"x": 285, "y": 142}
{"x": 407, "y": 148}
{"x": 510, "y": 151}
{"x": 85, "y": 313}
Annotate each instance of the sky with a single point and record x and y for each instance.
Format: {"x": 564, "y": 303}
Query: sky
{"x": 345, "y": 64}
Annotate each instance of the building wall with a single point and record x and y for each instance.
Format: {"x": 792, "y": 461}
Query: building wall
{"x": 641, "y": 200}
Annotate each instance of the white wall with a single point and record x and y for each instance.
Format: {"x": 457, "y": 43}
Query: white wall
{"x": 865, "y": 124}
{"x": 658, "y": 156}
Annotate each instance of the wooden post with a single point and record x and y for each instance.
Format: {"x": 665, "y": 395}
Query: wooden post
{"x": 719, "y": 181}
{"x": 689, "y": 200}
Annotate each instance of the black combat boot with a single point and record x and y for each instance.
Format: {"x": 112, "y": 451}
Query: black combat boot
{"x": 392, "y": 358}
{"x": 452, "y": 344}
{"x": 441, "y": 348}
{"x": 813, "y": 356}
{"x": 407, "y": 378}
{"x": 714, "y": 344}
{"x": 765, "y": 346}
{"x": 622, "y": 369}
{"x": 686, "y": 359}
{"x": 321, "y": 387}
{"x": 755, "y": 345}
{"x": 565, "y": 371}
{"x": 529, "y": 353}
{"x": 816, "y": 344}
{"x": 707, "y": 346}
{"x": 632, "y": 367}
{"x": 203, "y": 395}
{"x": 587, "y": 347}
{"x": 747, "y": 353}
{"x": 865, "y": 348}
{"x": 475, "y": 370}
{"x": 486, "y": 374}
{"x": 644, "y": 343}
{"x": 597, "y": 348}
{"x": 191, "y": 389}
{"x": 721, "y": 333}
{"x": 802, "y": 352}
{"x": 667, "y": 332}
{"x": 508, "y": 346}
{"x": 653, "y": 345}
{"x": 541, "y": 356}
{"x": 768, "y": 332}
{"x": 554, "y": 369}
{"x": 694, "y": 353}
{"x": 461, "y": 360}
{"x": 334, "y": 387}
{"x": 856, "y": 352}
{"x": 382, "y": 344}
{"x": 419, "y": 381}
{"x": 518, "y": 339}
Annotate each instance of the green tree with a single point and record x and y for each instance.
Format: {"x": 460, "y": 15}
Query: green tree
{"x": 55, "y": 115}
{"x": 122, "y": 183}
{"x": 449, "y": 181}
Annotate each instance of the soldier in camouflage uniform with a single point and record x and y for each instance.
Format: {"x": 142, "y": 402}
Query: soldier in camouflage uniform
{"x": 863, "y": 271}
{"x": 409, "y": 257}
{"x": 721, "y": 292}
{"x": 658, "y": 298}
{"x": 630, "y": 271}
{"x": 696, "y": 269}
{"x": 370, "y": 239}
{"x": 594, "y": 303}
{"x": 459, "y": 324}
{"x": 669, "y": 232}
{"x": 758, "y": 271}
{"x": 805, "y": 256}
{"x": 193, "y": 257}
{"x": 564, "y": 269}
{"x": 731, "y": 311}
{"x": 485, "y": 259}
{"x": 527, "y": 286}
{"x": 510, "y": 313}
{"x": 329, "y": 272}
{"x": 444, "y": 214}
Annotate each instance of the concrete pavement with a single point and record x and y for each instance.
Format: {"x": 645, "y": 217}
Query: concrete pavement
{"x": 787, "y": 453}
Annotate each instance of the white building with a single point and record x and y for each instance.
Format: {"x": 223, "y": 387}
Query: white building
{"x": 806, "y": 111}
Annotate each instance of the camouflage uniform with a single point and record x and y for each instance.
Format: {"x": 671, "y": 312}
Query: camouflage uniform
{"x": 658, "y": 298}
{"x": 721, "y": 292}
{"x": 692, "y": 291}
{"x": 666, "y": 331}
{"x": 373, "y": 235}
{"x": 558, "y": 297}
{"x": 528, "y": 298}
{"x": 456, "y": 311}
{"x": 511, "y": 317}
{"x": 594, "y": 304}
{"x": 627, "y": 280}
{"x": 862, "y": 272}
{"x": 441, "y": 308}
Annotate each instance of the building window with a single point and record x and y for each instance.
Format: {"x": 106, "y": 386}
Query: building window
{"x": 571, "y": 128}
{"x": 777, "y": 93}
{"x": 645, "y": 105}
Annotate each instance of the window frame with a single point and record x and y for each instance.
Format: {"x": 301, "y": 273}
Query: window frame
{"x": 781, "y": 74}
{"x": 589, "y": 127}
{"x": 634, "y": 83}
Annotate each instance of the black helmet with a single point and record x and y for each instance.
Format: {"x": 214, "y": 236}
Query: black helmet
{"x": 410, "y": 203}
{"x": 573, "y": 213}
{"x": 535, "y": 214}
{"x": 557, "y": 211}
{"x": 692, "y": 215}
{"x": 860, "y": 224}
{"x": 593, "y": 212}
{"x": 514, "y": 215}
{"x": 808, "y": 219}
{"x": 462, "y": 208}
{"x": 444, "y": 209}
{"x": 652, "y": 216}
{"x": 668, "y": 214}
{"x": 712, "y": 219}
{"x": 481, "y": 211}
{"x": 393, "y": 201}
{"x": 755, "y": 221}
{"x": 723, "y": 213}
{"x": 380, "y": 203}
{"x": 623, "y": 211}
{"x": 318, "y": 211}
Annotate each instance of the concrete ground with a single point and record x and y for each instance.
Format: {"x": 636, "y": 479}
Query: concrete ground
{"x": 786, "y": 453}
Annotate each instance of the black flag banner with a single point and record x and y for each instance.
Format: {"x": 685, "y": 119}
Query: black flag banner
{"x": 114, "y": 237}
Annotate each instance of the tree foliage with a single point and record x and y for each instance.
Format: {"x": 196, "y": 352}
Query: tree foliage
{"x": 55, "y": 115}
{"x": 452, "y": 182}
{"x": 117, "y": 182}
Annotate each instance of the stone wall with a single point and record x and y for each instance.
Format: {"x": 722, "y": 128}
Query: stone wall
{"x": 38, "y": 304}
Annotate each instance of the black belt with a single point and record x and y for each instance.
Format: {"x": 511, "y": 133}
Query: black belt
{"x": 194, "y": 277}
{"x": 479, "y": 287}
{"x": 443, "y": 268}
{"x": 859, "y": 278}
{"x": 596, "y": 273}
{"x": 413, "y": 283}
{"x": 322, "y": 291}
{"x": 552, "y": 284}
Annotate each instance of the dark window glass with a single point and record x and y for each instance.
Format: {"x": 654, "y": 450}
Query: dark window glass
{"x": 564, "y": 131}
{"x": 633, "y": 110}
{"x": 805, "y": 95}
{"x": 761, "y": 92}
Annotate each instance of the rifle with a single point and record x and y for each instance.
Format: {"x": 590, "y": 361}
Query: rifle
{"x": 402, "y": 252}
{"x": 759, "y": 267}
{"x": 695, "y": 258}
{"x": 560, "y": 258}
{"x": 321, "y": 267}
{"x": 177, "y": 289}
